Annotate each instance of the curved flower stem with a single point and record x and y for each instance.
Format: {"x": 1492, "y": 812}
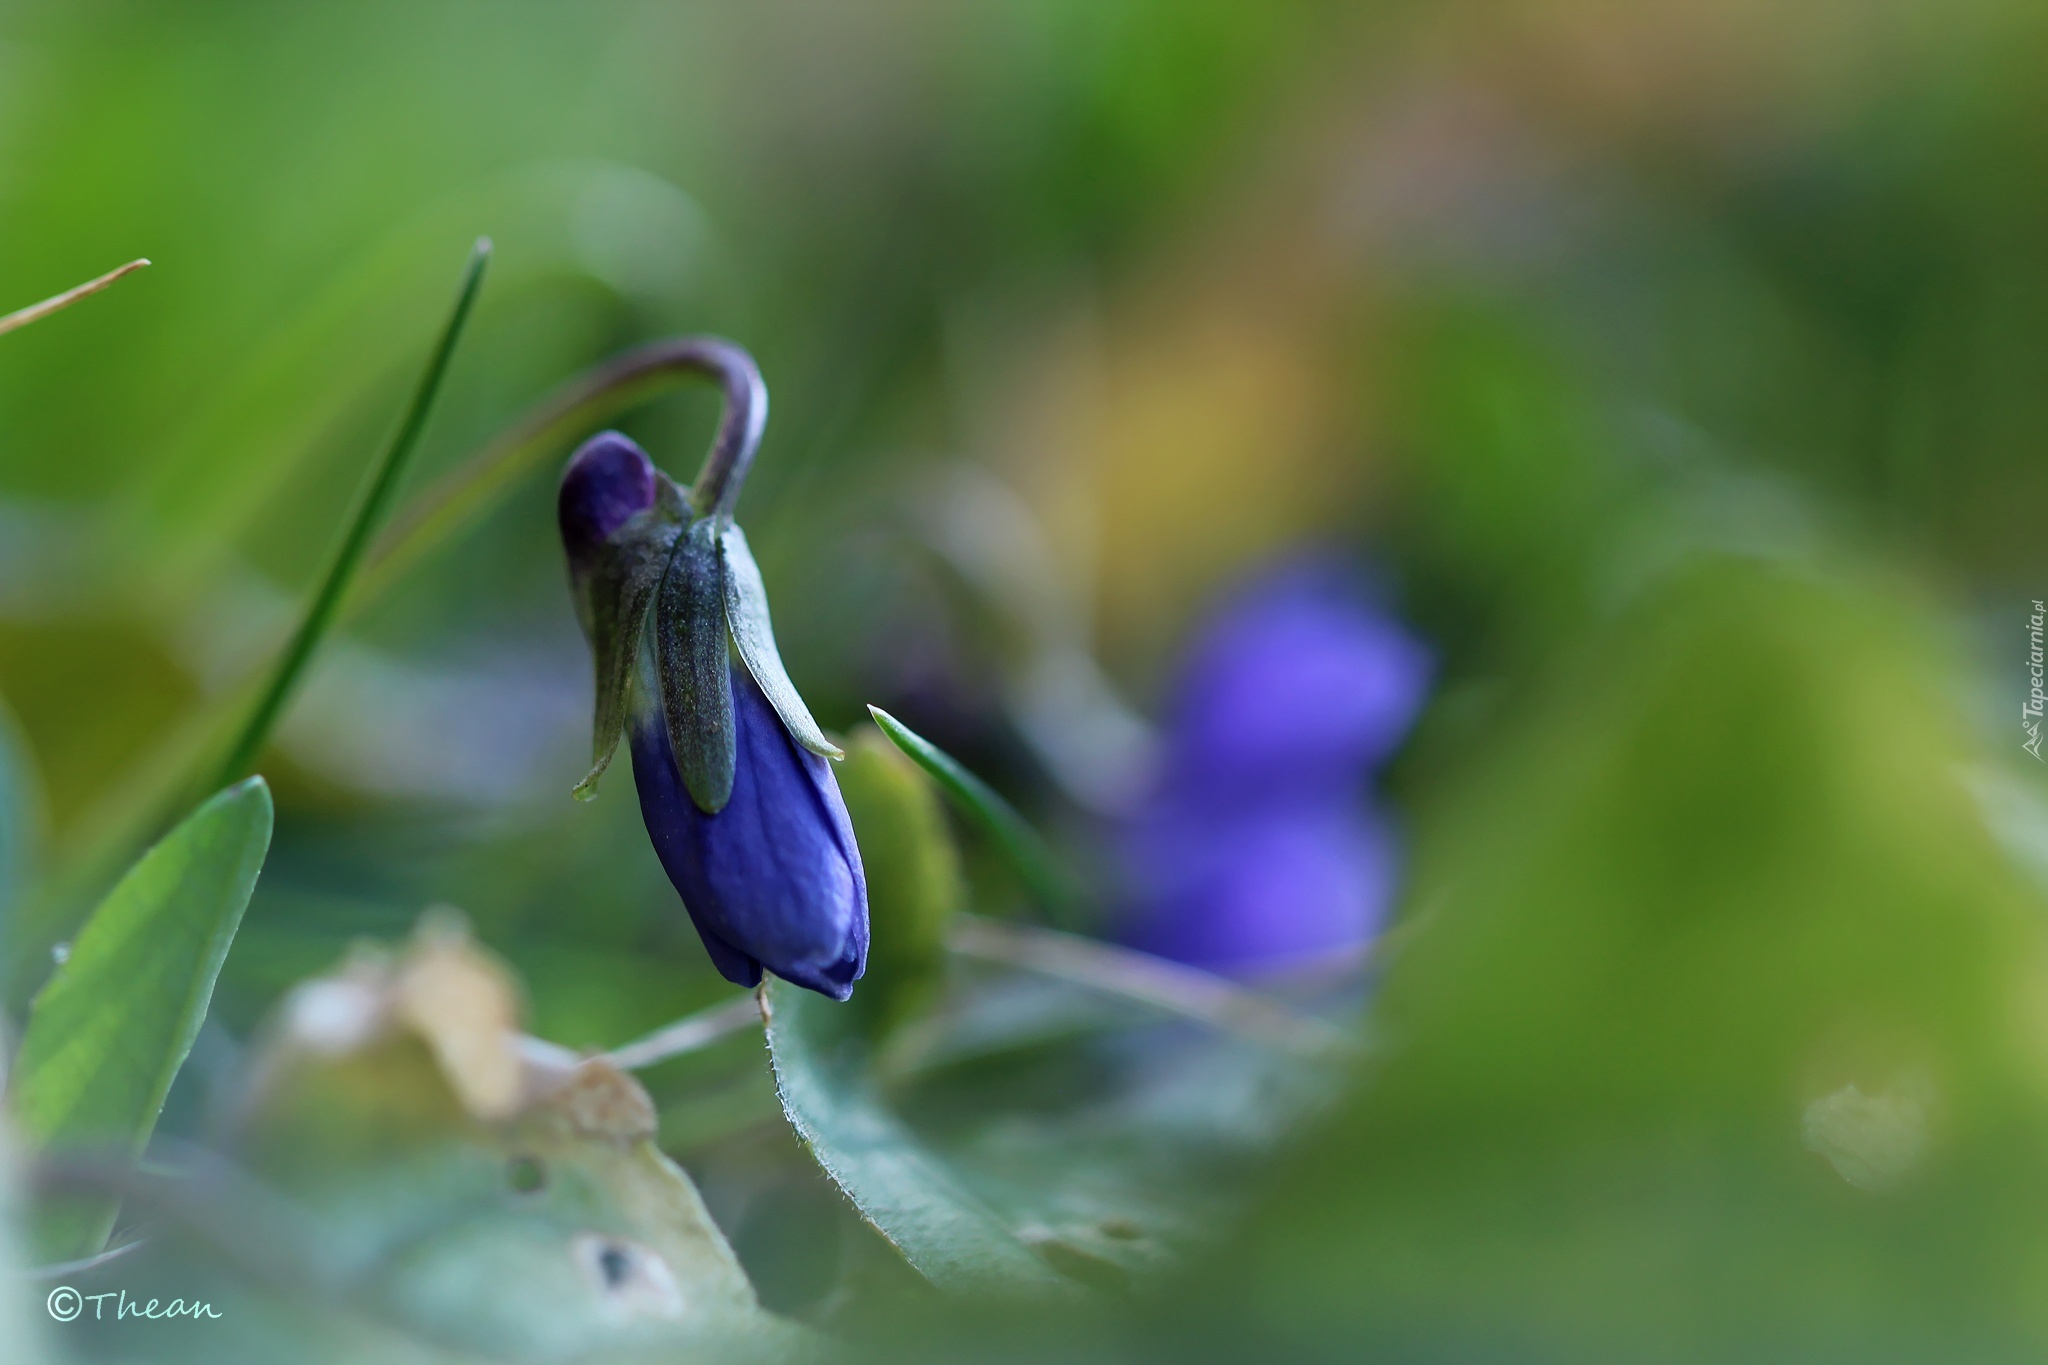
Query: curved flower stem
{"x": 717, "y": 489}
{"x": 1168, "y": 986}
{"x": 688, "y": 1034}
{"x": 35, "y": 312}
{"x": 468, "y": 491}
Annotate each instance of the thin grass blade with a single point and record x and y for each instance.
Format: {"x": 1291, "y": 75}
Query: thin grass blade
{"x": 363, "y": 526}
{"x": 1034, "y": 862}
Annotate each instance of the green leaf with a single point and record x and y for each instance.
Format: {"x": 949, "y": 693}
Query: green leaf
{"x": 1041, "y": 1115}
{"x": 1035, "y": 864}
{"x": 614, "y": 602}
{"x": 913, "y": 876}
{"x": 946, "y": 1233}
{"x": 110, "y": 1030}
{"x": 746, "y": 612}
{"x": 690, "y": 654}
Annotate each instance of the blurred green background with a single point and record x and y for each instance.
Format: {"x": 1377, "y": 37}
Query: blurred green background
{"x": 1681, "y": 366}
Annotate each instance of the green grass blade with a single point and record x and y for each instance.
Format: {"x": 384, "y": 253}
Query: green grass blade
{"x": 108, "y": 1033}
{"x": 1029, "y": 857}
{"x": 159, "y": 785}
{"x": 363, "y": 526}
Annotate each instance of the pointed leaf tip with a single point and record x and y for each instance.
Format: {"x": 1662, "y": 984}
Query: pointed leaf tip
{"x": 1040, "y": 871}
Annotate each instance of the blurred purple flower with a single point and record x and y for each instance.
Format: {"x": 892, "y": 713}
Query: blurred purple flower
{"x": 773, "y": 879}
{"x": 1255, "y": 850}
{"x": 1296, "y": 682}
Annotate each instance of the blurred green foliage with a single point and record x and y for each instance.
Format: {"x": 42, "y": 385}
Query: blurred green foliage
{"x": 1726, "y": 868}
{"x": 1678, "y": 365}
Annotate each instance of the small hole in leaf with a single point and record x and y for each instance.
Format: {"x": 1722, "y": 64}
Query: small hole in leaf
{"x": 630, "y": 1280}
{"x": 526, "y": 1174}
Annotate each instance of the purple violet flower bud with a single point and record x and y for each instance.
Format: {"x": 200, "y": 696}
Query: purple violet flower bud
{"x": 608, "y": 480}
{"x": 771, "y": 877}
{"x": 774, "y": 879}
{"x": 1254, "y": 851}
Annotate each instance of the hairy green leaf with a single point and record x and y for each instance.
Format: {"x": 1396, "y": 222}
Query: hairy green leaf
{"x": 746, "y": 612}
{"x": 108, "y": 1033}
{"x": 1035, "y": 1113}
{"x": 690, "y": 654}
{"x": 951, "y": 1237}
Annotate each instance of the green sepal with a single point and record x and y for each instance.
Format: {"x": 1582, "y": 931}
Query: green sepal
{"x": 690, "y": 653}
{"x": 746, "y": 613}
{"x": 612, "y": 601}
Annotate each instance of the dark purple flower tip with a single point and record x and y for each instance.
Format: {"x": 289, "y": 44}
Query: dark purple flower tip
{"x": 774, "y": 879}
{"x": 607, "y": 481}
{"x": 1261, "y": 891}
{"x": 1297, "y": 680}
